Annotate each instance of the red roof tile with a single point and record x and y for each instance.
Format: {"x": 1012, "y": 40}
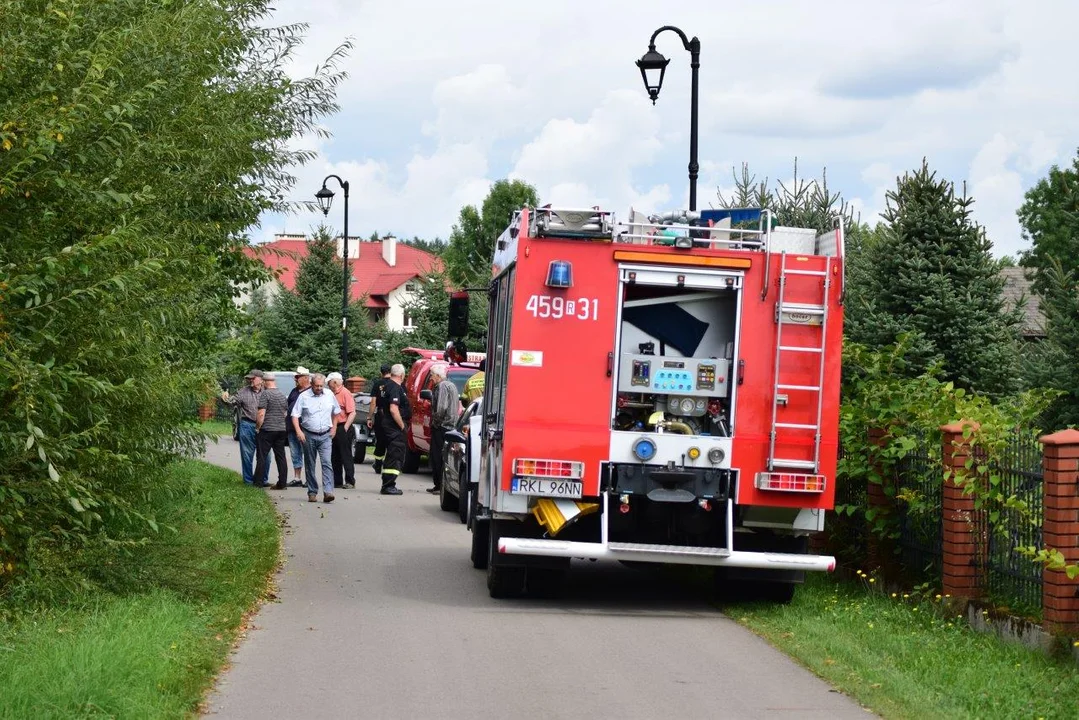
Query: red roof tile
{"x": 372, "y": 275}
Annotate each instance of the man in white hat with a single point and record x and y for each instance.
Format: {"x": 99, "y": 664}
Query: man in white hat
{"x": 296, "y": 448}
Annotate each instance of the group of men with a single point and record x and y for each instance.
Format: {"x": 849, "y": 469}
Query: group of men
{"x": 318, "y": 427}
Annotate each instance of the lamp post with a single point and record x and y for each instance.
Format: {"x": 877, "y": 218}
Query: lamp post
{"x": 325, "y": 199}
{"x": 653, "y": 65}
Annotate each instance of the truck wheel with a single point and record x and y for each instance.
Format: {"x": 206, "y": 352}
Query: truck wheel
{"x": 481, "y": 529}
{"x": 781, "y": 593}
{"x": 446, "y": 501}
{"x": 412, "y": 462}
{"x": 546, "y": 582}
{"x": 462, "y": 493}
{"x": 359, "y": 452}
{"x": 502, "y": 581}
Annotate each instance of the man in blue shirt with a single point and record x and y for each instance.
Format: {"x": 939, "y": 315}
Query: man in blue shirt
{"x": 312, "y": 418}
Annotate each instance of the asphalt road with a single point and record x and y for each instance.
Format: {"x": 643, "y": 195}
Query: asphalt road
{"x": 380, "y": 615}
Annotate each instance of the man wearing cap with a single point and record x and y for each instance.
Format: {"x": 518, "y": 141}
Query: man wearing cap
{"x": 312, "y": 418}
{"x": 247, "y": 399}
{"x": 342, "y": 441}
{"x": 374, "y": 419}
{"x": 296, "y": 448}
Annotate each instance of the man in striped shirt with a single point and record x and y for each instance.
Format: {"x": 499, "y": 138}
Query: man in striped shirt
{"x": 272, "y": 431}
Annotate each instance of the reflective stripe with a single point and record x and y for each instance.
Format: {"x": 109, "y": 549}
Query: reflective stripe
{"x": 387, "y": 471}
{"x": 378, "y": 457}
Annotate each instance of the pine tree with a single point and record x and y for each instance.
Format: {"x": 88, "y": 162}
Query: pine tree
{"x": 303, "y": 325}
{"x": 931, "y": 273}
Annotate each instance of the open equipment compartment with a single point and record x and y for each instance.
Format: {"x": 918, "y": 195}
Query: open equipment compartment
{"x": 671, "y": 417}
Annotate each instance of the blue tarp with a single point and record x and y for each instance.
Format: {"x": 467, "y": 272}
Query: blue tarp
{"x": 670, "y": 324}
{"x": 737, "y": 215}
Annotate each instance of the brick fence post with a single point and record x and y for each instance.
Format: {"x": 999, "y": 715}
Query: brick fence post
{"x": 877, "y": 499}
{"x": 1060, "y": 529}
{"x": 355, "y": 383}
{"x": 962, "y": 533}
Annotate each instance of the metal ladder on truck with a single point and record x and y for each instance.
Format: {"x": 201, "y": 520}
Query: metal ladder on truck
{"x": 784, "y": 312}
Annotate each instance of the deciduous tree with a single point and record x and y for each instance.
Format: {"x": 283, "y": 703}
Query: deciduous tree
{"x": 138, "y": 142}
{"x": 472, "y": 241}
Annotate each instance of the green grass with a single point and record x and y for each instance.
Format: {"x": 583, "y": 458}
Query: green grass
{"x": 217, "y": 427}
{"x": 904, "y": 658}
{"x": 144, "y": 630}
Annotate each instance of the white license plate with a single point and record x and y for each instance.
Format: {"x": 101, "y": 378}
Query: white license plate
{"x": 547, "y": 487}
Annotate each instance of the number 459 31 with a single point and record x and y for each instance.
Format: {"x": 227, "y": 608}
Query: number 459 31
{"x": 546, "y": 306}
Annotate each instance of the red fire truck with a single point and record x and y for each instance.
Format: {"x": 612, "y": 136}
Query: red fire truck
{"x": 663, "y": 390}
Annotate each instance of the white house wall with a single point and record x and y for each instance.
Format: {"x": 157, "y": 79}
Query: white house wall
{"x": 397, "y": 299}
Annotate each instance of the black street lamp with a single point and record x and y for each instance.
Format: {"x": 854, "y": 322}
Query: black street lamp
{"x": 325, "y": 200}
{"x": 653, "y": 65}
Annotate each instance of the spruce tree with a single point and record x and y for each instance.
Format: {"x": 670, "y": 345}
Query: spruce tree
{"x": 303, "y": 325}
{"x": 931, "y": 274}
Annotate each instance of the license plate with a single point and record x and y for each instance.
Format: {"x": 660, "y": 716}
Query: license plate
{"x": 547, "y": 487}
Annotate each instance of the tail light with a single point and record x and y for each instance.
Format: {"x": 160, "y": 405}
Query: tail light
{"x": 790, "y": 482}
{"x": 530, "y": 467}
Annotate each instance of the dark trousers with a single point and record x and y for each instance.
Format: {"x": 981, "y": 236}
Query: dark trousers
{"x": 394, "y": 462}
{"x": 342, "y": 456}
{"x": 276, "y": 440}
{"x": 380, "y": 443}
{"x": 438, "y": 460}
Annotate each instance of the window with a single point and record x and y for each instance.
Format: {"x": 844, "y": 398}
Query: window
{"x": 409, "y": 322}
{"x": 410, "y": 286}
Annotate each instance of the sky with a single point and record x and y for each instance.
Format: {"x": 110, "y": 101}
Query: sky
{"x": 444, "y": 98}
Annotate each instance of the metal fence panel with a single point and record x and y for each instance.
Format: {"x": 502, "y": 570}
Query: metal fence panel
{"x": 1010, "y": 578}
{"x": 920, "y": 490}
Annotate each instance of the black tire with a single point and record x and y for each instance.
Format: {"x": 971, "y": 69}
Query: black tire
{"x": 780, "y": 593}
{"x": 412, "y": 462}
{"x": 359, "y": 452}
{"x": 546, "y": 582}
{"x": 462, "y": 494}
{"x": 481, "y": 529}
{"x": 446, "y": 501}
{"x": 502, "y": 581}
{"x": 728, "y": 590}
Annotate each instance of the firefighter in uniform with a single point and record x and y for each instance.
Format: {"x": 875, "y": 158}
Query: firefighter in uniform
{"x": 396, "y": 413}
{"x": 474, "y": 386}
{"x": 374, "y": 418}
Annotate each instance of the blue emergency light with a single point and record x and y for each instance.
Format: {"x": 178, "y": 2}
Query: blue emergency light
{"x": 560, "y": 274}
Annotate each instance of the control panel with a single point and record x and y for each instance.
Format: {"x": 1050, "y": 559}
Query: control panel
{"x": 694, "y": 377}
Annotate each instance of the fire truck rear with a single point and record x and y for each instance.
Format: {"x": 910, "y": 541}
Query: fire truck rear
{"x": 660, "y": 391}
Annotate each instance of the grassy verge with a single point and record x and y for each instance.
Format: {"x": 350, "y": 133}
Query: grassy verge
{"x": 141, "y": 631}
{"x": 903, "y": 659}
{"x": 217, "y": 427}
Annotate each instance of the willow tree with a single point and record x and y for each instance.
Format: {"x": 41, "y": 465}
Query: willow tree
{"x": 138, "y": 143}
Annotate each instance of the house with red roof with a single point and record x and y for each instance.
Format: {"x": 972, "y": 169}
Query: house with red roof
{"x": 384, "y": 272}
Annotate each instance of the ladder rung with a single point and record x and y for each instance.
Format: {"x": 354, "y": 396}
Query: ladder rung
{"x": 811, "y": 388}
{"x": 796, "y": 426}
{"x": 803, "y": 308}
{"x": 816, "y": 273}
{"x": 792, "y": 348}
{"x": 795, "y": 464}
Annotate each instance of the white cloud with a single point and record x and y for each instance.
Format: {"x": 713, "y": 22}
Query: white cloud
{"x": 997, "y": 189}
{"x": 443, "y": 98}
{"x": 481, "y": 106}
{"x": 593, "y": 162}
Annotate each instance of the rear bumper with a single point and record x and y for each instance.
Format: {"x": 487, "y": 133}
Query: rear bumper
{"x": 676, "y": 554}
